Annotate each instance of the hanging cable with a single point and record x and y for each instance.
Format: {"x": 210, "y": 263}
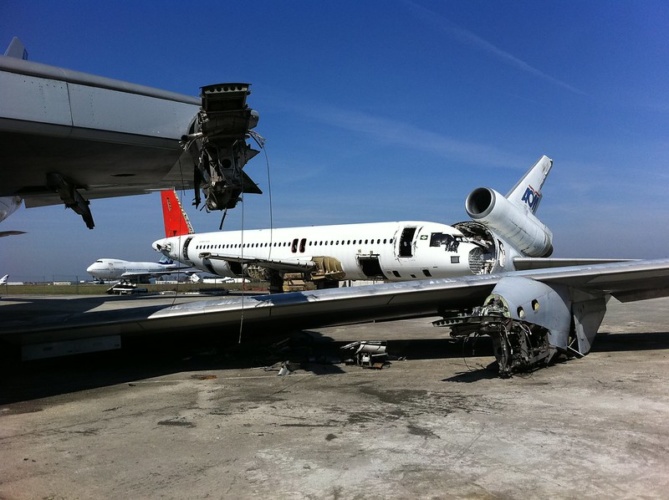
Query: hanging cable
{"x": 180, "y": 240}
{"x": 241, "y": 317}
{"x": 225, "y": 212}
{"x": 260, "y": 141}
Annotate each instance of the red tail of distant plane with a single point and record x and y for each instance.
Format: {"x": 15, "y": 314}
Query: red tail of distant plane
{"x": 174, "y": 216}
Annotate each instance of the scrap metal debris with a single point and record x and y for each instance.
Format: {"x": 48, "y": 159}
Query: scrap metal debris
{"x": 368, "y": 353}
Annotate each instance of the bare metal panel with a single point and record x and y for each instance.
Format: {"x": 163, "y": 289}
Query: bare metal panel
{"x": 29, "y": 98}
{"x": 97, "y": 108}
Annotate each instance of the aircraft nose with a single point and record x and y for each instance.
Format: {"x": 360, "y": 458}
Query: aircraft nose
{"x": 90, "y": 268}
{"x": 163, "y": 246}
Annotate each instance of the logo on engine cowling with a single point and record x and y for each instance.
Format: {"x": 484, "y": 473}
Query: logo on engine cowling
{"x": 532, "y": 198}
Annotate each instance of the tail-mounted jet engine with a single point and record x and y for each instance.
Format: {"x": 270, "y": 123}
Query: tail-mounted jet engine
{"x": 531, "y": 322}
{"x": 517, "y": 226}
{"x": 217, "y": 144}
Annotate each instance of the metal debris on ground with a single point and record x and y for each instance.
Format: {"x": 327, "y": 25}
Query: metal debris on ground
{"x": 368, "y": 353}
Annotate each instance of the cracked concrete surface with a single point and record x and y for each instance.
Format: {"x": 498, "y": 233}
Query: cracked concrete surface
{"x": 197, "y": 422}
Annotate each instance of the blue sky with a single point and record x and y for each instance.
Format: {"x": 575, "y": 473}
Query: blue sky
{"x": 382, "y": 110}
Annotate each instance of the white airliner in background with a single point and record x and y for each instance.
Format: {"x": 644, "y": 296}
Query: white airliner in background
{"x": 117, "y": 269}
{"x": 503, "y": 235}
{"x": 176, "y": 222}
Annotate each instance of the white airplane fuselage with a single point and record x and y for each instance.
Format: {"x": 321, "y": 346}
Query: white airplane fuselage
{"x": 114, "y": 269}
{"x": 394, "y": 251}
{"x": 501, "y": 228}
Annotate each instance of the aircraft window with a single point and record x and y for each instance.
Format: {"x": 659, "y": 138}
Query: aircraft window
{"x": 385, "y": 241}
{"x": 366, "y": 241}
{"x": 348, "y": 242}
{"x": 303, "y": 243}
{"x": 293, "y": 247}
{"x": 378, "y": 241}
{"x": 455, "y": 259}
{"x": 397, "y": 275}
{"x": 427, "y": 273}
{"x": 326, "y": 242}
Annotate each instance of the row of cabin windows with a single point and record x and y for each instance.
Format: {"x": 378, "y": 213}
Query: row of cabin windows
{"x": 297, "y": 244}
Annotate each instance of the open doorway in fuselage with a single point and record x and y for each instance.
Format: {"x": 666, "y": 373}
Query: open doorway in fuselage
{"x": 405, "y": 248}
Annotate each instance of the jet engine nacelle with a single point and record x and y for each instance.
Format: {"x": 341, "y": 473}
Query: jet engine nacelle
{"x": 517, "y": 226}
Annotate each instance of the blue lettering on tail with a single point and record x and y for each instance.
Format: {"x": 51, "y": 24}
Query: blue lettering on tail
{"x": 532, "y": 198}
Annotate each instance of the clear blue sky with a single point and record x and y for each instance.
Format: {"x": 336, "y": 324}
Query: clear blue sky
{"x": 383, "y": 110}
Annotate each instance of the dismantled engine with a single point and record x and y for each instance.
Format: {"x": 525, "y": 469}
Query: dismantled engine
{"x": 531, "y": 322}
{"x": 217, "y": 144}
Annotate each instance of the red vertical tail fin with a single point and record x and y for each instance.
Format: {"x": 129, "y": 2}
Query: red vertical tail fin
{"x": 175, "y": 218}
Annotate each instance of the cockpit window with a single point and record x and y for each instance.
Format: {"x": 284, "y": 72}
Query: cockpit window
{"x": 448, "y": 241}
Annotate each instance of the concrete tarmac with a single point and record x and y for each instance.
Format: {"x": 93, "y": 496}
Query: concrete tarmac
{"x": 211, "y": 418}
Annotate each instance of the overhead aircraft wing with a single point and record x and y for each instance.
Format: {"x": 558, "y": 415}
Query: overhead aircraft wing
{"x": 69, "y": 137}
{"x": 287, "y": 265}
{"x": 106, "y": 137}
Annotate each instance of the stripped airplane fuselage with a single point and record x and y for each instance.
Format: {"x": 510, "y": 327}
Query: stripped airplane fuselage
{"x": 501, "y": 230}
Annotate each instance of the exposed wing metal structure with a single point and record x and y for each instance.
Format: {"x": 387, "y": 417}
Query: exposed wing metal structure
{"x": 531, "y": 315}
{"x": 68, "y": 137}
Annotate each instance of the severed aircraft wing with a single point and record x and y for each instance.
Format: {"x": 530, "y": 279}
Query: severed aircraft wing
{"x": 627, "y": 281}
{"x": 588, "y": 286}
{"x": 534, "y": 263}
